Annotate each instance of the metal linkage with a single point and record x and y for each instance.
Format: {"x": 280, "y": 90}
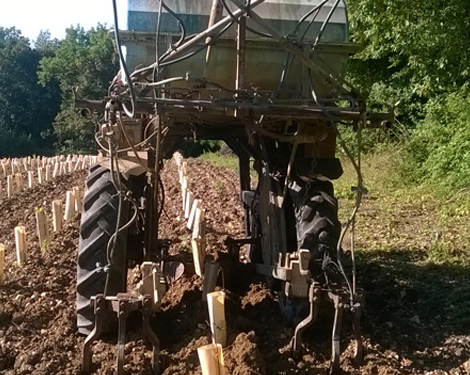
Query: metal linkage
{"x": 122, "y": 305}
{"x": 99, "y": 304}
{"x": 342, "y": 303}
{"x": 314, "y": 294}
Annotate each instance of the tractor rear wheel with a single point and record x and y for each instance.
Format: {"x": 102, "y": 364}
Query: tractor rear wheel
{"x": 318, "y": 230}
{"x": 98, "y": 225}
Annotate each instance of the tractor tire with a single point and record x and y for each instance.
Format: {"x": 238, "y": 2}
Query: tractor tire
{"x": 318, "y": 230}
{"x": 98, "y": 224}
{"x": 318, "y": 227}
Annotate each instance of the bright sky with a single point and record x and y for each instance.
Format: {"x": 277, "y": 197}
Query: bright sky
{"x": 32, "y": 16}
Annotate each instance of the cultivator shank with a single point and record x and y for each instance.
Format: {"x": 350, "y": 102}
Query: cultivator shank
{"x": 123, "y": 304}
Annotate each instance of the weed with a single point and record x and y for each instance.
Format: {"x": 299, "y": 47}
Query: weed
{"x": 219, "y": 185}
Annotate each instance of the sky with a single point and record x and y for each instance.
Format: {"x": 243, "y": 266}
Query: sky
{"x": 32, "y": 16}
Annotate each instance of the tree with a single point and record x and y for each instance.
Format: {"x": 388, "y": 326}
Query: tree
{"x": 413, "y": 50}
{"x": 27, "y": 108}
{"x": 83, "y": 65}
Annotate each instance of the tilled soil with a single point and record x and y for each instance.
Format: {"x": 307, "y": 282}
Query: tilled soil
{"x": 37, "y": 302}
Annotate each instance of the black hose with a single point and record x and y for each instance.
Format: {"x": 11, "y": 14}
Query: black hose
{"x": 266, "y": 35}
{"x": 123, "y": 63}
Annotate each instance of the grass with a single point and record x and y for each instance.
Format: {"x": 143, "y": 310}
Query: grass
{"x": 412, "y": 245}
{"x": 225, "y": 161}
{"x": 396, "y": 214}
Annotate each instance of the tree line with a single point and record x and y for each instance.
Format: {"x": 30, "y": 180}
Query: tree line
{"x": 39, "y": 81}
{"x": 416, "y": 55}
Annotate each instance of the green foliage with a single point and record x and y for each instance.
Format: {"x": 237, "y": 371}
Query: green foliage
{"x": 413, "y": 51}
{"x": 83, "y": 64}
{"x": 190, "y": 147}
{"x": 27, "y": 108}
{"x": 439, "y": 151}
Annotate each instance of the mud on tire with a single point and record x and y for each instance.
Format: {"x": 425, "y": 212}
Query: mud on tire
{"x": 98, "y": 224}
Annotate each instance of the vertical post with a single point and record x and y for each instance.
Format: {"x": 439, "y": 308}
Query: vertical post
{"x": 216, "y": 306}
{"x": 57, "y": 215}
{"x": 19, "y": 182}
{"x": 48, "y": 172}
{"x": 40, "y": 175}
{"x": 20, "y": 241}
{"x": 212, "y": 359}
{"x": 30, "y": 179}
{"x": 2, "y": 264}
{"x": 10, "y": 187}
{"x": 198, "y": 242}
{"x": 189, "y": 204}
{"x": 78, "y": 202}
{"x": 192, "y": 214}
{"x": 43, "y": 230}
{"x": 240, "y": 78}
{"x": 56, "y": 170}
{"x": 69, "y": 206}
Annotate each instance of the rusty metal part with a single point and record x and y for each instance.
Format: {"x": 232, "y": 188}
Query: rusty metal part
{"x": 147, "y": 309}
{"x": 356, "y": 310}
{"x": 122, "y": 313}
{"x": 313, "y": 298}
{"x": 99, "y": 304}
{"x": 122, "y": 304}
{"x": 339, "y": 302}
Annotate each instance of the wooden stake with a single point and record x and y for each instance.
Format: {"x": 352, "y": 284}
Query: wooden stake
{"x": 212, "y": 359}
{"x": 40, "y": 175}
{"x": 55, "y": 172}
{"x": 10, "y": 187}
{"x": 2, "y": 264}
{"x": 30, "y": 179}
{"x": 43, "y": 230}
{"x": 48, "y": 172}
{"x": 198, "y": 242}
{"x": 20, "y": 241}
{"x": 192, "y": 214}
{"x": 78, "y": 202}
{"x": 198, "y": 230}
{"x": 216, "y": 306}
{"x": 189, "y": 204}
{"x": 57, "y": 215}
{"x": 69, "y": 206}
{"x": 19, "y": 182}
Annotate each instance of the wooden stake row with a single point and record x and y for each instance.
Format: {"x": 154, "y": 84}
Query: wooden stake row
{"x": 194, "y": 213}
{"x": 12, "y": 166}
{"x": 210, "y": 356}
{"x": 73, "y": 203}
{"x": 52, "y": 168}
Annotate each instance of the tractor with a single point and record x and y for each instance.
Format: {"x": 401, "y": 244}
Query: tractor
{"x": 267, "y": 77}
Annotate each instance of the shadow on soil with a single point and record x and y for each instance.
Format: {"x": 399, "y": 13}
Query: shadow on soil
{"x": 420, "y": 311}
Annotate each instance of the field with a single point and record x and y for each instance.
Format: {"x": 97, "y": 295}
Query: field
{"x": 413, "y": 262}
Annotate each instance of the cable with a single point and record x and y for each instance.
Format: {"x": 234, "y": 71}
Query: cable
{"x": 266, "y": 35}
{"x": 325, "y": 22}
{"x": 157, "y": 37}
{"x": 131, "y": 113}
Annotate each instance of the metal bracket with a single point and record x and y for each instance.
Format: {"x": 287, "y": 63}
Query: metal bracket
{"x": 122, "y": 305}
{"x": 314, "y": 294}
